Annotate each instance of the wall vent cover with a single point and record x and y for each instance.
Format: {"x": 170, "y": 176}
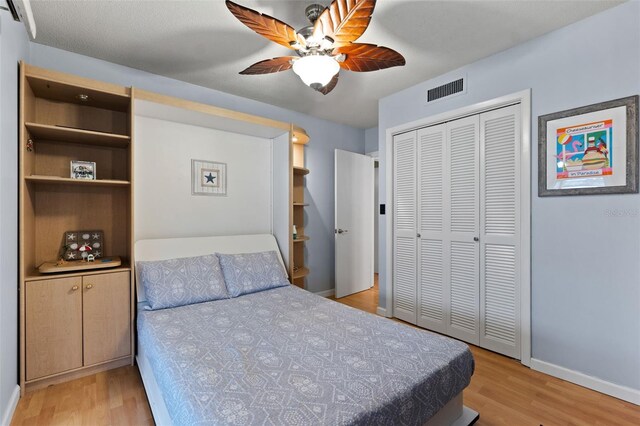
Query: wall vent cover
{"x": 448, "y": 89}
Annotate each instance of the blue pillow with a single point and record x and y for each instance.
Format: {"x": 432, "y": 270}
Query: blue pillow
{"x": 184, "y": 281}
{"x": 252, "y": 272}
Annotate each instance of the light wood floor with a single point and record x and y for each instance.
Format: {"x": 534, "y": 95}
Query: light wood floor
{"x": 502, "y": 390}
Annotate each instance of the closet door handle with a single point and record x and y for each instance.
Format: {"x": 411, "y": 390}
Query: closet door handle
{"x": 89, "y": 286}
{"x": 74, "y": 288}
{"x": 476, "y": 239}
{"x": 418, "y": 235}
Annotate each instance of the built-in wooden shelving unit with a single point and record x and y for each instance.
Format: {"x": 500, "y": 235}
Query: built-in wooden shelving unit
{"x": 298, "y": 251}
{"x": 74, "y": 323}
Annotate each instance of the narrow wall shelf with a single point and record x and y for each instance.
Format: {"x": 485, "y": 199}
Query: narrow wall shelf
{"x": 301, "y": 239}
{"x": 300, "y": 204}
{"x": 46, "y": 132}
{"x": 301, "y": 171}
{"x": 69, "y": 181}
{"x": 46, "y": 85}
{"x": 300, "y": 273}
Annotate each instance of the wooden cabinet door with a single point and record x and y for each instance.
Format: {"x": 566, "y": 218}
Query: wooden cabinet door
{"x": 106, "y": 317}
{"x": 53, "y": 326}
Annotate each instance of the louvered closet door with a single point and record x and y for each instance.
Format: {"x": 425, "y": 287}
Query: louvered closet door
{"x": 433, "y": 247}
{"x": 463, "y": 198}
{"x": 500, "y": 230}
{"x": 404, "y": 224}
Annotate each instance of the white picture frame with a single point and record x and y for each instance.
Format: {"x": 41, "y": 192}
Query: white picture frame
{"x": 208, "y": 178}
{"x": 85, "y": 170}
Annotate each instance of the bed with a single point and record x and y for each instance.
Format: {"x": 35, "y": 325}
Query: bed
{"x": 288, "y": 357}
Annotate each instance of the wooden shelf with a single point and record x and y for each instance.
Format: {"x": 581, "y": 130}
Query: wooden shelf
{"x": 300, "y": 204}
{"x": 35, "y": 275}
{"x": 300, "y": 171}
{"x": 69, "y": 181}
{"x": 64, "y": 91}
{"x": 300, "y": 239}
{"x": 71, "y": 135}
{"x": 300, "y": 273}
{"x": 300, "y": 136}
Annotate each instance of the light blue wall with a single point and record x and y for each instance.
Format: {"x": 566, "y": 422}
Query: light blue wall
{"x": 14, "y": 45}
{"x": 585, "y": 290}
{"x": 371, "y": 140}
{"x": 325, "y": 137}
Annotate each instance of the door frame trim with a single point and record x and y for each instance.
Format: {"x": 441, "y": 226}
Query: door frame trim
{"x": 524, "y": 99}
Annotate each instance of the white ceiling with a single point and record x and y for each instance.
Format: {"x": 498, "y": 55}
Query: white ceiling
{"x": 202, "y": 43}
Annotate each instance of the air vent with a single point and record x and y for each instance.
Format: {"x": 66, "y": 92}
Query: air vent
{"x": 448, "y": 89}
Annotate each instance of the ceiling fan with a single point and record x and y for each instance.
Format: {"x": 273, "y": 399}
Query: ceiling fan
{"x": 324, "y": 47}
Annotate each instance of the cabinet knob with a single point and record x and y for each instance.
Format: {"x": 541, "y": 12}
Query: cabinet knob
{"x": 74, "y": 288}
{"x": 89, "y": 286}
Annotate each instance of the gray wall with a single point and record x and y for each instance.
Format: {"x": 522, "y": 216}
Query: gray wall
{"x": 325, "y": 137}
{"x": 370, "y": 146}
{"x": 13, "y": 47}
{"x": 586, "y": 292}
{"x": 371, "y": 140}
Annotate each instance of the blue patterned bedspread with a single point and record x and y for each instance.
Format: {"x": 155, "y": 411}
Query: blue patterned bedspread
{"x": 288, "y": 357}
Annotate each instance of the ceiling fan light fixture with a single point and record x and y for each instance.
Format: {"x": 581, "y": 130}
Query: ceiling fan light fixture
{"x": 316, "y": 70}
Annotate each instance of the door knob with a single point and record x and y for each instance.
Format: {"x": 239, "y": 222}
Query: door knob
{"x": 74, "y": 288}
{"x": 342, "y": 231}
{"x": 476, "y": 239}
{"x": 89, "y": 286}
{"x": 418, "y": 235}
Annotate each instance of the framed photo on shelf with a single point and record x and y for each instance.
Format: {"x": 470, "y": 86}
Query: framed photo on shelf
{"x": 83, "y": 170}
{"x": 78, "y": 245}
{"x": 208, "y": 178}
{"x": 589, "y": 150}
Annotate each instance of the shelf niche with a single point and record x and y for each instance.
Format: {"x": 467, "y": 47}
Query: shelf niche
{"x": 299, "y": 139}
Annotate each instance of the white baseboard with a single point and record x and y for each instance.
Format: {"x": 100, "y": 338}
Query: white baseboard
{"x": 617, "y": 391}
{"x": 11, "y": 406}
{"x": 381, "y": 311}
{"x": 326, "y": 293}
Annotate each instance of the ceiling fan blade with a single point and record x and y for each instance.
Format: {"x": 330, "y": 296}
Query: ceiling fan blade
{"x": 344, "y": 21}
{"x": 329, "y": 86}
{"x": 267, "y": 26}
{"x": 364, "y": 57}
{"x": 268, "y": 66}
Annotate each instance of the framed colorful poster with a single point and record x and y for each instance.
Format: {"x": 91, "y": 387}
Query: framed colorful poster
{"x": 208, "y": 178}
{"x": 589, "y": 150}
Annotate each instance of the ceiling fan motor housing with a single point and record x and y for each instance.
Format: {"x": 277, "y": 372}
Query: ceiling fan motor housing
{"x": 313, "y": 11}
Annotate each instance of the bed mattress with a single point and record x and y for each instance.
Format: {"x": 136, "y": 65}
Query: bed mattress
{"x": 288, "y": 357}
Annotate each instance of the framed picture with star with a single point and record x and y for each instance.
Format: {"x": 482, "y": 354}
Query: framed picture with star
{"x": 208, "y": 178}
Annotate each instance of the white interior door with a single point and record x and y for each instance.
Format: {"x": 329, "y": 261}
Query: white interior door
{"x": 354, "y": 222}
{"x": 500, "y": 230}
{"x": 463, "y": 233}
{"x": 404, "y": 227}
